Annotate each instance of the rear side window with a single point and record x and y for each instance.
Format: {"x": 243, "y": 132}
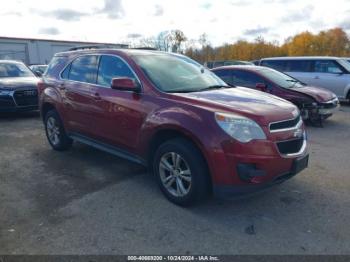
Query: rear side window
{"x": 225, "y": 75}
{"x": 83, "y": 69}
{"x": 111, "y": 67}
{"x": 298, "y": 66}
{"x": 246, "y": 79}
{"x": 327, "y": 66}
{"x": 279, "y": 65}
{"x": 56, "y": 63}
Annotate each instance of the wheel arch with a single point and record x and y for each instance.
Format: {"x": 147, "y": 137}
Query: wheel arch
{"x": 46, "y": 107}
{"x": 166, "y": 134}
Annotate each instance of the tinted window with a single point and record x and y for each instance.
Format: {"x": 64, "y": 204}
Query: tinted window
{"x": 111, "y": 67}
{"x": 246, "y": 79}
{"x": 55, "y": 63}
{"x": 327, "y": 66}
{"x": 219, "y": 63}
{"x": 298, "y": 66}
{"x": 225, "y": 75}
{"x": 83, "y": 69}
{"x": 65, "y": 73}
{"x": 275, "y": 64}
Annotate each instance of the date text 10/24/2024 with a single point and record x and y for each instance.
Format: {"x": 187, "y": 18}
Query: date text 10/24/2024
{"x": 173, "y": 258}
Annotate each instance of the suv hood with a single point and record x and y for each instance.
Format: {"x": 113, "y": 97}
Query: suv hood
{"x": 11, "y": 83}
{"x": 318, "y": 93}
{"x": 261, "y": 107}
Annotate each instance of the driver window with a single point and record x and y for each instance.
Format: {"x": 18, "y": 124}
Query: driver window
{"x": 111, "y": 67}
{"x": 327, "y": 66}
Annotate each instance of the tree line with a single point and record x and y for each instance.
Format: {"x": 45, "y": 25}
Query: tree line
{"x": 332, "y": 42}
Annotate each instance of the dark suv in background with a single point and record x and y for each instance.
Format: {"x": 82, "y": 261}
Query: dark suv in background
{"x": 18, "y": 87}
{"x": 168, "y": 112}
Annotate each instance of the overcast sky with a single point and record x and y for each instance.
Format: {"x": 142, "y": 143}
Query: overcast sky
{"x": 224, "y": 21}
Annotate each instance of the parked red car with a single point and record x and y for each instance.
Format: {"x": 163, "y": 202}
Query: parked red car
{"x": 315, "y": 103}
{"x": 168, "y": 112}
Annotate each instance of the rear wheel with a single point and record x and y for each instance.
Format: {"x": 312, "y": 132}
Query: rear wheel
{"x": 181, "y": 172}
{"x": 55, "y": 132}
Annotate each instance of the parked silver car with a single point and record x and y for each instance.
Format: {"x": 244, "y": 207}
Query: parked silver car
{"x": 332, "y": 73}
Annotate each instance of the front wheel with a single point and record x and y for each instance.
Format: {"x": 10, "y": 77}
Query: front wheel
{"x": 55, "y": 132}
{"x": 181, "y": 172}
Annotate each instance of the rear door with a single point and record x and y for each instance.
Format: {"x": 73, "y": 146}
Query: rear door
{"x": 299, "y": 69}
{"x": 78, "y": 79}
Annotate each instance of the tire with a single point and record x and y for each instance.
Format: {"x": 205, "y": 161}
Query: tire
{"x": 191, "y": 169}
{"x": 55, "y": 133}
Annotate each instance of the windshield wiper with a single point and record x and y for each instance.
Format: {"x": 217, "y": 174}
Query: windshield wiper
{"x": 199, "y": 89}
{"x": 215, "y": 87}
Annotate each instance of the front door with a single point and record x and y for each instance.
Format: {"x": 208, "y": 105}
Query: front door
{"x": 118, "y": 115}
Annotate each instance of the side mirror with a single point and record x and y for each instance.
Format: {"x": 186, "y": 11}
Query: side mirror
{"x": 261, "y": 87}
{"x": 126, "y": 84}
{"x": 38, "y": 73}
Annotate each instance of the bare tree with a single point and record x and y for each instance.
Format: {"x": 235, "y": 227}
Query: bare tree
{"x": 177, "y": 39}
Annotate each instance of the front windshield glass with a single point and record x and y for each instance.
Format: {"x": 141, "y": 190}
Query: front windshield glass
{"x": 345, "y": 64}
{"x": 174, "y": 73}
{"x": 14, "y": 70}
{"x": 280, "y": 79}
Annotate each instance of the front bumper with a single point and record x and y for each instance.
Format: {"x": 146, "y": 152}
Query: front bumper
{"x": 329, "y": 111}
{"x": 15, "y": 101}
{"x": 248, "y": 167}
{"x": 223, "y": 191}
{"x": 322, "y": 110}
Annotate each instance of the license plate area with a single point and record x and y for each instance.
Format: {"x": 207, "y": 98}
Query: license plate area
{"x": 300, "y": 164}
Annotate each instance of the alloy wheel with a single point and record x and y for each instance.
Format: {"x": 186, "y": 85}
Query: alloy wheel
{"x": 53, "y": 130}
{"x": 175, "y": 174}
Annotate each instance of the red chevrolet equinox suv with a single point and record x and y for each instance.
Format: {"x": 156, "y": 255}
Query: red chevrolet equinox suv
{"x": 167, "y": 112}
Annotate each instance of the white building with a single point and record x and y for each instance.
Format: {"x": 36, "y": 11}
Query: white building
{"x": 39, "y": 51}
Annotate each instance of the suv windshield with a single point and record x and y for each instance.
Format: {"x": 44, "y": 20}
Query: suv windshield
{"x": 14, "y": 70}
{"x": 280, "y": 79}
{"x": 174, "y": 73}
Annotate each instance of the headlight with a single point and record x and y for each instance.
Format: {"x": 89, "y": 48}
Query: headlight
{"x": 5, "y": 92}
{"x": 240, "y": 128}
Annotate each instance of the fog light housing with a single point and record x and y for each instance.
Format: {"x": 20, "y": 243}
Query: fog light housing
{"x": 249, "y": 173}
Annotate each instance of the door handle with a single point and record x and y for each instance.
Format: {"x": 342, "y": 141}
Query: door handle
{"x": 316, "y": 77}
{"x": 97, "y": 96}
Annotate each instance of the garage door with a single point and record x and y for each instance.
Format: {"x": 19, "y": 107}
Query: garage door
{"x": 13, "y": 51}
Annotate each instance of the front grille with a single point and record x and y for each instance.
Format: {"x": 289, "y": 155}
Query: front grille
{"x": 290, "y": 146}
{"x": 285, "y": 124}
{"x": 26, "y": 97}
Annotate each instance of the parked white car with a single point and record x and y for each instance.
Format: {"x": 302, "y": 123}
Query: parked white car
{"x": 332, "y": 73}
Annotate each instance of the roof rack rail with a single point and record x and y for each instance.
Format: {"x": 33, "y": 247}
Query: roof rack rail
{"x": 145, "y": 48}
{"x": 86, "y": 47}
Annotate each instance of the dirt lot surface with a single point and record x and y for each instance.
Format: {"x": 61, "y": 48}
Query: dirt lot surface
{"x": 88, "y": 202}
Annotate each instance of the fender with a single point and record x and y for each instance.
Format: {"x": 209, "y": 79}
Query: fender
{"x": 184, "y": 120}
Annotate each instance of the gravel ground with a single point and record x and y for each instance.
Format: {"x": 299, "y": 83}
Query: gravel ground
{"x": 88, "y": 202}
